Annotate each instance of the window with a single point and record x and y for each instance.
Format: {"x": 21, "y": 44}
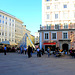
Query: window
{"x": 6, "y": 18}
{"x": 65, "y": 5}
{"x": 46, "y": 36}
{"x": 56, "y": 26}
{"x": 3, "y": 16}
{"x": 9, "y": 19}
{"x": 64, "y": 35}
{"x": 53, "y": 35}
{"x": 65, "y": 15}
{"x": 6, "y": 23}
{"x": 3, "y": 22}
{"x": 48, "y": 7}
{"x": 65, "y": 26}
{"x": 12, "y": 39}
{"x": 10, "y": 24}
{"x": 0, "y": 21}
{"x": 47, "y": 16}
{"x": 2, "y": 33}
{"x": 56, "y": 6}
{"x": 12, "y": 20}
{"x": 56, "y": 16}
{"x": 48, "y": 27}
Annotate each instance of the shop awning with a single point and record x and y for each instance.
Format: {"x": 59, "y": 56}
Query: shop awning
{"x": 52, "y": 43}
{"x": 12, "y": 43}
{"x": 8, "y": 43}
{"x": 5, "y": 42}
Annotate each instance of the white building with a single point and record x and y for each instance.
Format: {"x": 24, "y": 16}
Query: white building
{"x": 58, "y": 24}
{"x": 56, "y": 12}
{"x": 10, "y": 28}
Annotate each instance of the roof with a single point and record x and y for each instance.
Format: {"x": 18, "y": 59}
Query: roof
{"x": 1, "y": 11}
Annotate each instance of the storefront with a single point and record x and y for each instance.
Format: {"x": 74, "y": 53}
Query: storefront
{"x": 52, "y": 46}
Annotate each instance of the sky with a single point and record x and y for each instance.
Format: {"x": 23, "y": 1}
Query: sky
{"x": 29, "y": 11}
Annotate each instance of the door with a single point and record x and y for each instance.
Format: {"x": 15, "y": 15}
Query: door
{"x": 65, "y": 47}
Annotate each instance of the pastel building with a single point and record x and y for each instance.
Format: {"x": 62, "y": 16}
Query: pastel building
{"x": 58, "y": 24}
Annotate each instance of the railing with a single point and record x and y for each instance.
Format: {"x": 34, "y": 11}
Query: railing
{"x": 56, "y": 27}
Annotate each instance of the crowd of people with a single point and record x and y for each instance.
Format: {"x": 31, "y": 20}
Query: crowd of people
{"x": 29, "y": 50}
{"x": 24, "y": 50}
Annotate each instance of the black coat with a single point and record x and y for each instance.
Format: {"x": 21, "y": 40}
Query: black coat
{"x": 29, "y": 49}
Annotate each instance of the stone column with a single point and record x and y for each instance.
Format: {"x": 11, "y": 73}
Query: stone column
{"x": 40, "y": 40}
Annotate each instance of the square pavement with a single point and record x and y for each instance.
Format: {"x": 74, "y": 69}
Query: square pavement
{"x": 20, "y": 64}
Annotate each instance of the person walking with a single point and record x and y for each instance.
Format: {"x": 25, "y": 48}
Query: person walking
{"x": 48, "y": 51}
{"x": 5, "y": 48}
{"x": 38, "y": 52}
{"x": 25, "y": 50}
{"x": 21, "y": 50}
{"x": 29, "y": 51}
{"x": 42, "y": 50}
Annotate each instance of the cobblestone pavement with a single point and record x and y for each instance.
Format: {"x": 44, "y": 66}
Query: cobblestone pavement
{"x": 20, "y": 64}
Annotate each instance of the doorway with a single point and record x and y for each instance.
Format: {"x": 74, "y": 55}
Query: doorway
{"x": 65, "y": 47}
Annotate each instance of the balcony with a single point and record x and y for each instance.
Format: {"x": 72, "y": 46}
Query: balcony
{"x": 57, "y": 27}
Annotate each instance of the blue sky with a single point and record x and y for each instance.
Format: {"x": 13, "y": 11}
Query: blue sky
{"x": 29, "y": 11}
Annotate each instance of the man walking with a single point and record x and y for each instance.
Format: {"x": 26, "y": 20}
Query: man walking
{"x": 29, "y": 51}
{"x": 5, "y": 48}
{"x": 25, "y": 49}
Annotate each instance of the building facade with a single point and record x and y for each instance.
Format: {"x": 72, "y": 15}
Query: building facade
{"x": 7, "y": 27}
{"x": 19, "y": 31}
{"x": 13, "y": 30}
{"x": 36, "y": 37}
{"x": 58, "y": 24}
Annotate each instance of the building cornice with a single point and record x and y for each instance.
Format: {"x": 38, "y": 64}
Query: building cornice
{"x": 3, "y": 12}
{"x": 57, "y": 30}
